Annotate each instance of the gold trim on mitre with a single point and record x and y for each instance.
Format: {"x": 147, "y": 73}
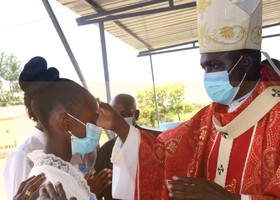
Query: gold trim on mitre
{"x": 225, "y": 25}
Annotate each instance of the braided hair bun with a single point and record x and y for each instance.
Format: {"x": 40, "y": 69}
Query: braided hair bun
{"x": 33, "y": 79}
{"x": 37, "y": 71}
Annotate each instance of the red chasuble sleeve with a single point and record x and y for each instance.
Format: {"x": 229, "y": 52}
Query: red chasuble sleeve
{"x": 175, "y": 152}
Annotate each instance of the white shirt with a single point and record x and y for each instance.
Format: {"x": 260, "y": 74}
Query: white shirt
{"x": 56, "y": 169}
{"x": 18, "y": 165}
{"x": 125, "y": 161}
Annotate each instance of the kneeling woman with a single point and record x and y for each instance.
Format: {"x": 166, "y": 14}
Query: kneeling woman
{"x": 67, "y": 112}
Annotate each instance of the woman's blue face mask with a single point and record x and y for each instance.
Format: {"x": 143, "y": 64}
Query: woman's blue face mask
{"x": 218, "y": 87}
{"x": 87, "y": 144}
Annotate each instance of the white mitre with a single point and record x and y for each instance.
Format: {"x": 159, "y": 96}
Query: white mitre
{"x": 227, "y": 25}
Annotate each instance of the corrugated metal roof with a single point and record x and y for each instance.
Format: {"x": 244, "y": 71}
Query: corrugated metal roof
{"x": 152, "y": 31}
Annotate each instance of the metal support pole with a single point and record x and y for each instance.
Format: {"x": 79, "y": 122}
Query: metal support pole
{"x": 155, "y": 93}
{"x": 171, "y": 3}
{"x": 105, "y": 61}
{"x": 64, "y": 42}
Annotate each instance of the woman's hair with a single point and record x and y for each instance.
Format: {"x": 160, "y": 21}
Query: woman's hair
{"x": 45, "y": 91}
{"x": 35, "y": 65}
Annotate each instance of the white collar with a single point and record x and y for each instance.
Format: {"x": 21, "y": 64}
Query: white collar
{"x": 236, "y": 103}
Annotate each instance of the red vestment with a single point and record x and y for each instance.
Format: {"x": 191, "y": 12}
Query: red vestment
{"x": 191, "y": 150}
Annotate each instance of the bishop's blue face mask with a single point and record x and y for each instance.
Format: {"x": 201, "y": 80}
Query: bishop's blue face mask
{"x": 218, "y": 87}
{"x": 87, "y": 144}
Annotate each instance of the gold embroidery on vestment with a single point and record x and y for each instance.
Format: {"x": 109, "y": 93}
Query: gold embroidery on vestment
{"x": 227, "y": 35}
{"x": 256, "y": 35}
{"x": 232, "y": 186}
{"x": 201, "y": 6}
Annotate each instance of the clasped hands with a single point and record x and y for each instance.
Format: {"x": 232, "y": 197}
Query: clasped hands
{"x": 197, "y": 189}
{"x": 33, "y": 188}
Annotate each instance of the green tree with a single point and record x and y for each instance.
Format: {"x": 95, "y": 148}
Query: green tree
{"x": 146, "y": 105}
{"x": 175, "y": 100}
{"x": 10, "y": 93}
{"x": 170, "y": 103}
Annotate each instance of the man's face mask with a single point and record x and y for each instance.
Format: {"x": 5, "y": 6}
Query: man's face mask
{"x": 129, "y": 120}
{"x": 87, "y": 144}
{"x": 218, "y": 87}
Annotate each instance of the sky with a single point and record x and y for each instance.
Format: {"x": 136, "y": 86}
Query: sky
{"x": 27, "y": 31}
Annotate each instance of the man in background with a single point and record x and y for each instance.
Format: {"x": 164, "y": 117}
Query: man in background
{"x": 125, "y": 105}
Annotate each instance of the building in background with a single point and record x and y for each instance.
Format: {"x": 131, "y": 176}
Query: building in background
{"x": 15, "y": 126}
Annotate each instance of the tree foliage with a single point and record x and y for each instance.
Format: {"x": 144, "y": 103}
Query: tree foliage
{"x": 171, "y": 102}
{"x": 10, "y": 92}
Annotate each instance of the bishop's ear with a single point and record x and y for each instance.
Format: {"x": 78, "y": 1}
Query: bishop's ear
{"x": 64, "y": 121}
{"x": 247, "y": 62}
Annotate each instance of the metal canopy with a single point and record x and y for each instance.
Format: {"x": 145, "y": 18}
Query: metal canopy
{"x": 152, "y": 25}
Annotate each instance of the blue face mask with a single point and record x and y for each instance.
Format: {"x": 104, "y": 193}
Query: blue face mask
{"x": 87, "y": 144}
{"x": 129, "y": 120}
{"x": 218, "y": 87}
